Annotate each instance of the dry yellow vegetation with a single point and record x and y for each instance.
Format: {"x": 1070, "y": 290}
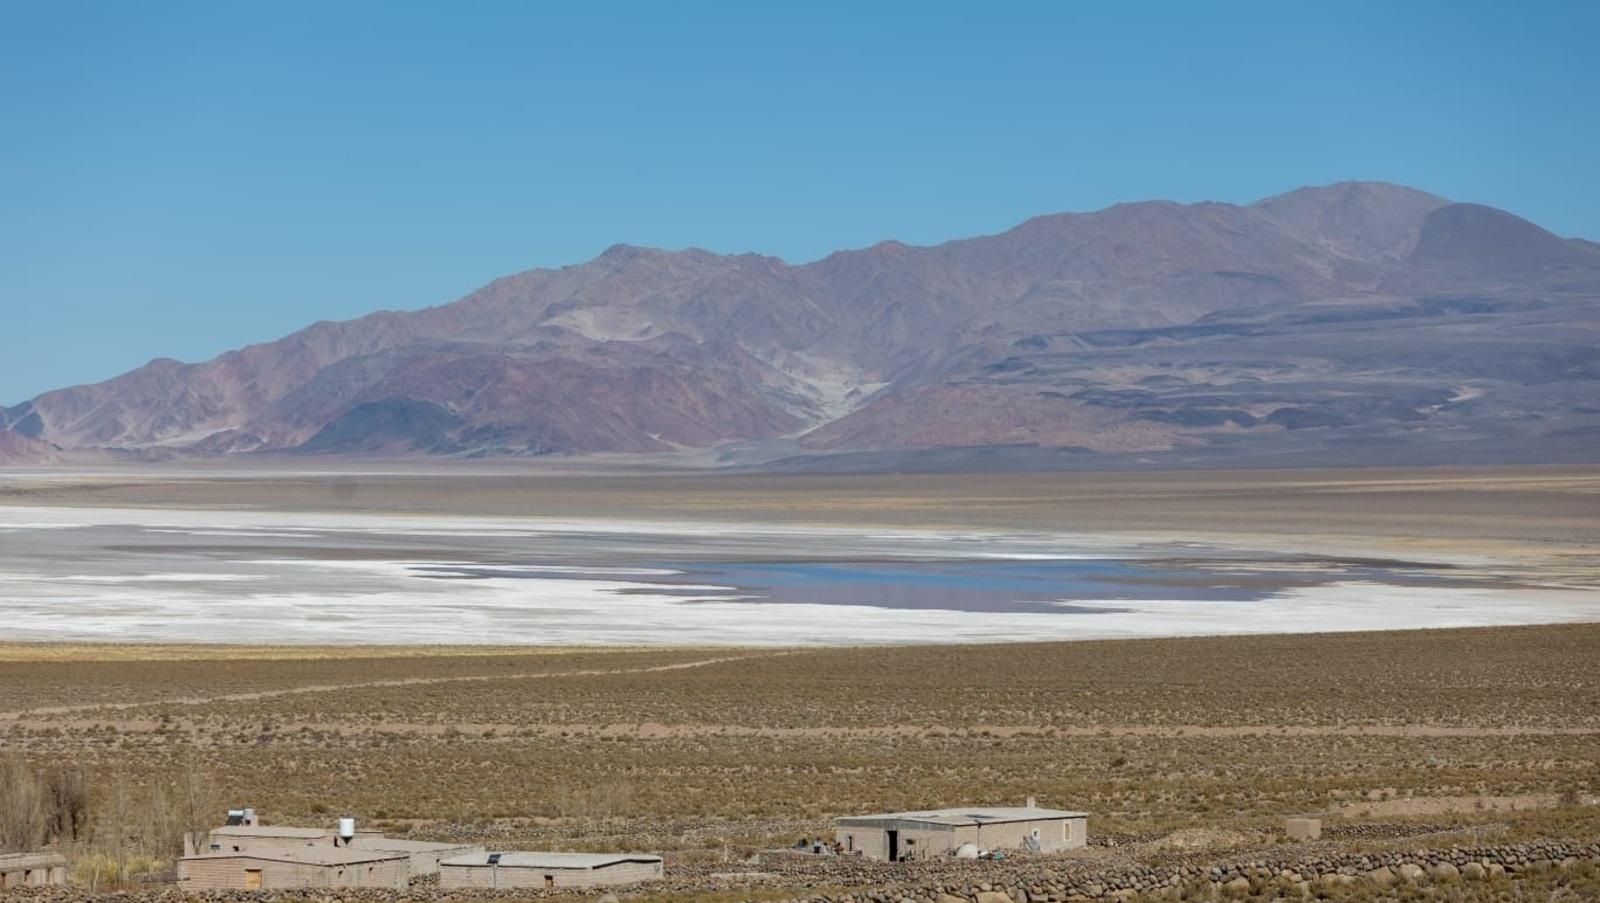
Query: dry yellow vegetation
{"x": 686, "y": 749}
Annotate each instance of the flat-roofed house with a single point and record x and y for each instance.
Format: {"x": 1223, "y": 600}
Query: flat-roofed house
{"x": 930, "y": 833}
{"x": 306, "y": 866}
{"x": 32, "y": 869}
{"x": 548, "y": 871}
{"x": 258, "y": 838}
{"x": 425, "y": 855}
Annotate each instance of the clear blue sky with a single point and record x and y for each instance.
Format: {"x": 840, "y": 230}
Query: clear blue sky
{"x": 177, "y": 180}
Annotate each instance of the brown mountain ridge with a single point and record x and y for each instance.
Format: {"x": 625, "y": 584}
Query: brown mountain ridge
{"x": 1353, "y": 323}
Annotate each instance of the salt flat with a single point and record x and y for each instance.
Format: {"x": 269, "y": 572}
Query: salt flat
{"x": 328, "y": 577}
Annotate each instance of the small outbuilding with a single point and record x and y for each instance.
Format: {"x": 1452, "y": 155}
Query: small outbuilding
{"x": 32, "y": 869}
{"x": 929, "y": 834}
{"x": 548, "y": 871}
{"x": 306, "y": 866}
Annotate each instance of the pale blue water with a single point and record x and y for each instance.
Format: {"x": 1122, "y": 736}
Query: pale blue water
{"x": 992, "y": 585}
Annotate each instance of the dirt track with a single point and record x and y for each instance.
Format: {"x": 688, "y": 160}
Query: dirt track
{"x": 18, "y": 716}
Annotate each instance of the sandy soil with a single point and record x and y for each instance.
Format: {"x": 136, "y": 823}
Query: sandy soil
{"x": 1543, "y": 516}
{"x": 511, "y": 732}
{"x": 1538, "y": 506}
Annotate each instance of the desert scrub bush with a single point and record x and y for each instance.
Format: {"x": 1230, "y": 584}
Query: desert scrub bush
{"x": 100, "y": 870}
{"x": 1148, "y": 735}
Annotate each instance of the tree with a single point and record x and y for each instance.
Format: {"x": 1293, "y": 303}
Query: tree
{"x": 24, "y": 817}
{"x": 68, "y": 791}
{"x": 198, "y": 802}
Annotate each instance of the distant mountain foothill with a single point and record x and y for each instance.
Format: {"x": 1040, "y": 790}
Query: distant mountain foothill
{"x": 1358, "y": 323}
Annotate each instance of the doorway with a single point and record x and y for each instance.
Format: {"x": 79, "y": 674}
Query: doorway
{"x": 252, "y": 879}
{"x": 894, "y": 845}
{"x": 549, "y": 882}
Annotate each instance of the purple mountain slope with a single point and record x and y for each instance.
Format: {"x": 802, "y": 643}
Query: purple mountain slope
{"x": 1350, "y": 320}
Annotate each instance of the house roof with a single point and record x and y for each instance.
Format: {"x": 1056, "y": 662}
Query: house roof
{"x": 314, "y": 855}
{"x": 551, "y": 860}
{"x": 402, "y": 845}
{"x": 967, "y": 815}
{"x": 269, "y": 831}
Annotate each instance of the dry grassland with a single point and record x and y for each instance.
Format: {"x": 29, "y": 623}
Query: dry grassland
{"x": 1498, "y": 730}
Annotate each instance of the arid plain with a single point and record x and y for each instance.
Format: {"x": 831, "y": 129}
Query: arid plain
{"x": 1195, "y": 747}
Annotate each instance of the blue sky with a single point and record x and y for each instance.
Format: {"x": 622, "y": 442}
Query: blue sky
{"x": 177, "y": 179}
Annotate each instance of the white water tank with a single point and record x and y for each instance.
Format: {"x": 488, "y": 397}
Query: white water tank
{"x": 347, "y": 829}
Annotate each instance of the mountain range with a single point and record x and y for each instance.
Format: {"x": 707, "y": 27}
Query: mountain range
{"x": 1358, "y": 323}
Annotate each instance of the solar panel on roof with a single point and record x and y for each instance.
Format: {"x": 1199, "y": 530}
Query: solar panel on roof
{"x": 494, "y": 858}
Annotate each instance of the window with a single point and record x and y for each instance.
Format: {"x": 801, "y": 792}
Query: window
{"x": 850, "y": 842}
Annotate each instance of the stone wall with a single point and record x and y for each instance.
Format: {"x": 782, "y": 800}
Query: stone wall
{"x": 1037, "y": 880}
{"x": 1043, "y": 884}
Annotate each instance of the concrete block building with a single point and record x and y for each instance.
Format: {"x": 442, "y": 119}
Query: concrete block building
{"x": 245, "y": 835}
{"x": 32, "y": 869}
{"x": 929, "y": 834}
{"x": 306, "y": 866}
{"x": 257, "y": 838}
{"x": 547, "y": 871}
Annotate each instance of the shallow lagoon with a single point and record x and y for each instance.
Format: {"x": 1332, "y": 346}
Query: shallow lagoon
{"x": 985, "y": 584}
